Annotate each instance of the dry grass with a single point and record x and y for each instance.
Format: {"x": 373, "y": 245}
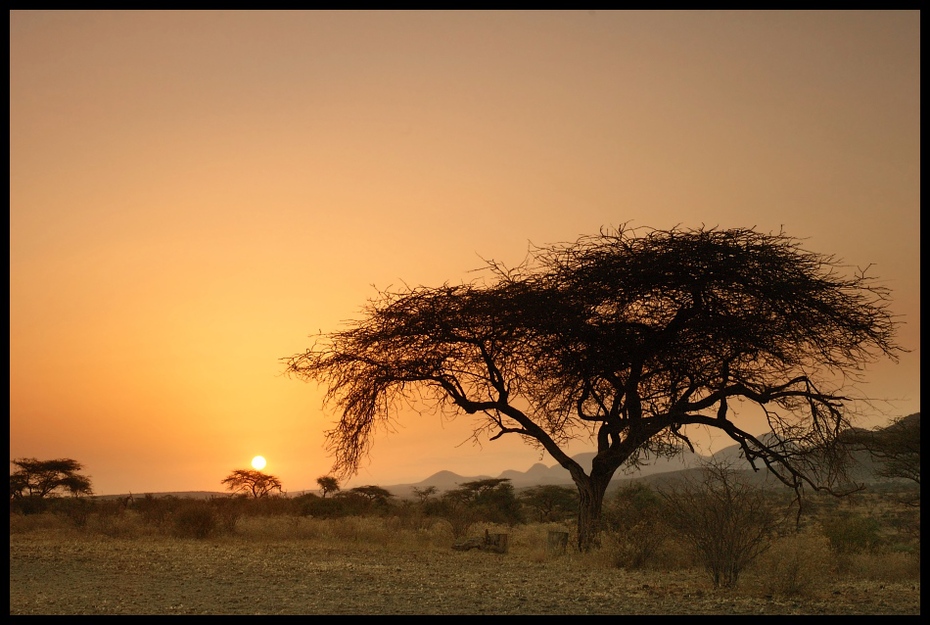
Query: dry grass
{"x": 795, "y": 565}
{"x": 120, "y": 563}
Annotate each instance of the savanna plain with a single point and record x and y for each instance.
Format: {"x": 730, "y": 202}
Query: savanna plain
{"x": 236, "y": 556}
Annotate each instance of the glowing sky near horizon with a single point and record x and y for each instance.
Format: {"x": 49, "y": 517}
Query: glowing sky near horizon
{"x": 193, "y": 195}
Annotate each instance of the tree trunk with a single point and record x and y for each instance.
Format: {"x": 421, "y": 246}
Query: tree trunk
{"x": 591, "y": 491}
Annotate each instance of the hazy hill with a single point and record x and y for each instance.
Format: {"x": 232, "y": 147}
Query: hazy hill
{"x": 540, "y": 473}
{"x": 655, "y": 471}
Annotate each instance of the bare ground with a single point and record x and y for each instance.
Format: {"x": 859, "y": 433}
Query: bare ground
{"x": 97, "y": 575}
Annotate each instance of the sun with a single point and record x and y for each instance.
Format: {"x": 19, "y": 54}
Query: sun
{"x": 258, "y": 463}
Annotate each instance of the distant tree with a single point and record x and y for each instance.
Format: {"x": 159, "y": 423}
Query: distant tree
{"x": 481, "y": 488}
{"x": 45, "y": 478}
{"x": 895, "y": 448}
{"x": 252, "y": 482}
{"x": 374, "y": 494}
{"x": 628, "y": 340}
{"x": 551, "y": 502}
{"x": 493, "y": 500}
{"x": 328, "y": 484}
{"x": 423, "y": 494}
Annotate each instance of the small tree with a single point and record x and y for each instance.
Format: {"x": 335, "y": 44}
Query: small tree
{"x": 727, "y": 520}
{"x": 45, "y": 478}
{"x": 328, "y": 484}
{"x": 252, "y": 482}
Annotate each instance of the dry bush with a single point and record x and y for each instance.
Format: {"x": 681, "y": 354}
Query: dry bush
{"x": 727, "y": 520}
{"x": 228, "y": 511}
{"x": 415, "y": 517}
{"x": 78, "y": 509}
{"x": 155, "y": 512}
{"x": 674, "y": 554}
{"x": 634, "y": 518}
{"x": 383, "y": 532}
{"x": 609, "y": 553}
{"x": 425, "y": 532}
{"x": 796, "y": 565}
{"x": 194, "y": 519}
{"x": 528, "y": 540}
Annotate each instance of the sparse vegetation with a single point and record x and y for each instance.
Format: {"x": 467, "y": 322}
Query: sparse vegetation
{"x": 397, "y": 557}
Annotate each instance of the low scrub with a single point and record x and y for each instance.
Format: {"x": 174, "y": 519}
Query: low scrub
{"x": 798, "y": 564}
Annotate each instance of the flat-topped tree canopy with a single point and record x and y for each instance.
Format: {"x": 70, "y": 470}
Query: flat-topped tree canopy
{"x": 626, "y": 336}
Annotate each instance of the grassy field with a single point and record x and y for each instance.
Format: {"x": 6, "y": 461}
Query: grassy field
{"x": 118, "y": 562}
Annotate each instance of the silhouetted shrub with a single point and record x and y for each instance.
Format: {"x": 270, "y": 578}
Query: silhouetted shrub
{"x": 490, "y": 500}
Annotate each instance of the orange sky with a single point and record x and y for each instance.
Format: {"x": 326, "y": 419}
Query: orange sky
{"x": 192, "y": 195}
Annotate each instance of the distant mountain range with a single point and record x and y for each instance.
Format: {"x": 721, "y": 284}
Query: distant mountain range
{"x": 541, "y": 474}
{"x": 657, "y": 470}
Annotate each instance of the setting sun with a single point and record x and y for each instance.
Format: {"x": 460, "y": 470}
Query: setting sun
{"x": 141, "y": 262}
{"x": 258, "y": 463}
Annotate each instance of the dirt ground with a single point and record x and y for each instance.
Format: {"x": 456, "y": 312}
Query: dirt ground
{"x": 163, "y": 576}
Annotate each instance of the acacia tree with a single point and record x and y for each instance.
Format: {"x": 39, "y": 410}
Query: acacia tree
{"x": 252, "y": 482}
{"x": 423, "y": 494}
{"x": 551, "y": 502}
{"x": 625, "y": 338}
{"x": 44, "y": 478}
{"x": 374, "y": 494}
{"x": 328, "y": 484}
